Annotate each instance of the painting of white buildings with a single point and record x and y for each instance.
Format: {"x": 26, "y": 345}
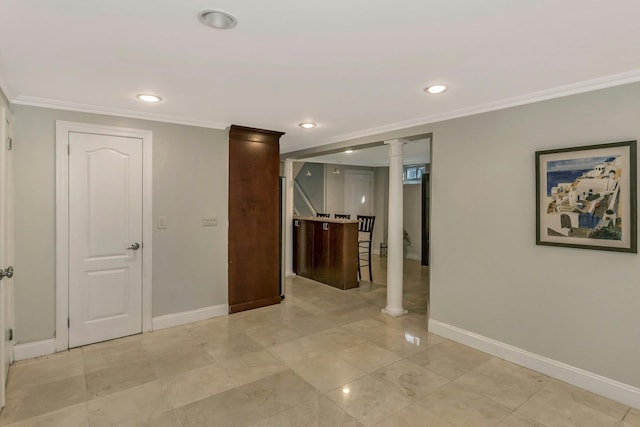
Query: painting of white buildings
{"x": 585, "y": 197}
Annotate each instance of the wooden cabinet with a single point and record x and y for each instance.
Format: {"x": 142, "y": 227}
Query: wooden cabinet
{"x": 254, "y": 259}
{"x": 326, "y": 251}
{"x": 303, "y": 237}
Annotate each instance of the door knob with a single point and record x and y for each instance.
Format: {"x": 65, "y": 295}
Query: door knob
{"x": 134, "y": 247}
{"x": 8, "y": 273}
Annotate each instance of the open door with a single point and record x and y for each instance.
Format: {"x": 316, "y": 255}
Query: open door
{"x": 6, "y": 250}
{"x": 425, "y": 219}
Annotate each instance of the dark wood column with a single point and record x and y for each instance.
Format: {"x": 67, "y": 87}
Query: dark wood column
{"x": 254, "y": 262}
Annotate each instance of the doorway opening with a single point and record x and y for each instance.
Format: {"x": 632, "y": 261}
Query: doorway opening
{"x": 340, "y": 158}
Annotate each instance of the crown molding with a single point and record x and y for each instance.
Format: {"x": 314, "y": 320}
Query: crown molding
{"x": 94, "y": 109}
{"x": 543, "y": 95}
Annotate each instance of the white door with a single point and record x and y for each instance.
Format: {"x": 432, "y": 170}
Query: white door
{"x": 358, "y": 192}
{"x": 105, "y": 237}
{"x": 6, "y": 249}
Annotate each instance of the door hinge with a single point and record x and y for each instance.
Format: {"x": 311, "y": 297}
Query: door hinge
{"x": 68, "y": 322}
{"x": 10, "y": 146}
{"x": 10, "y": 335}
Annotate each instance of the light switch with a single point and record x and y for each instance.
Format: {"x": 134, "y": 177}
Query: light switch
{"x": 162, "y": 222}
{"x": 208, "y": 221}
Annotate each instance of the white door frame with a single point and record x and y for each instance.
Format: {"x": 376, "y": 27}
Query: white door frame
{"x": 62, "y": 220}
{"x": 6, "y": 232}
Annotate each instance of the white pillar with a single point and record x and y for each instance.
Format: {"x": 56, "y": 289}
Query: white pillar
{"x": 288, "y": 217}
{"x": 395, "y": 225}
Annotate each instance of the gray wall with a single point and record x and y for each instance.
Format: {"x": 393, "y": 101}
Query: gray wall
{"x": 313, "y": 186}
{"x": 381, "y": 207}
{"x": 576, "y": 306}
{"x": 412, "y": 218}
{"x": 3, "y": 97}
{"x": 190, "y": 180}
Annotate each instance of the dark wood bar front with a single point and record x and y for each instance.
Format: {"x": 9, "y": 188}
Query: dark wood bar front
{"x": 326, "y": 250}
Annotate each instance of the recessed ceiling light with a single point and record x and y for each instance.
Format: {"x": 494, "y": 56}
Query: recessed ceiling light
{"x": 436, "y": 89}
{"x": 308, "y": 125}
{"x": 149, "y": 98}
{"x": 217, "y": 19}
{"x": 348, "y": 151}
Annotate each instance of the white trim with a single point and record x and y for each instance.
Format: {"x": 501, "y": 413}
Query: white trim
{"x": 34, "y": 349}
{"x": 147, "y": 229}
{"x": 595, "y": 383}
{"x": 543, "y": 95}
{"x": 177, "y": 319}
{"x": 118, "y": 112}
{"x": 62, "y": 221}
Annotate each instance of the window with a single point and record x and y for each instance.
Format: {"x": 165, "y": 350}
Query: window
{"x": 412, "y": 174}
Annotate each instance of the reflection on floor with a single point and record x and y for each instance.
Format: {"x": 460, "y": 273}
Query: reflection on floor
{"x": 323, "y": 357}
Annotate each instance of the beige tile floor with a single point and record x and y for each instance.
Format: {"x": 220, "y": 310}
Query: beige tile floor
{"x": 323, "y": 357}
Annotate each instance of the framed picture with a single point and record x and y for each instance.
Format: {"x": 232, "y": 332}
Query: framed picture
{"x": 586, "y": 197}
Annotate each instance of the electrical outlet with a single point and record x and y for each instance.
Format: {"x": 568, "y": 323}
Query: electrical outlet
{"x": 162, "y": 222}
{"x": 208, "y": 221}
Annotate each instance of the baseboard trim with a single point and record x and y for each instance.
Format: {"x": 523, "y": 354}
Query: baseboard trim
{"x": 177, "y": 319}
{"x": 595, "y": 383}
{"x": 34, "y": 349}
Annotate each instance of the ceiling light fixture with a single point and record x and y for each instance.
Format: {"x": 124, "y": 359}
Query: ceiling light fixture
{"x": 308, "y": 125}
{"x": 348, "y": 151}
{"x": 218, "y": 19}
{"x": 148, "y": 98}
{"x": 436, "y": 89}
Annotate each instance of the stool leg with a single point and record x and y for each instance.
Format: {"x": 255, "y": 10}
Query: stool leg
{"x": 370, "y": 275}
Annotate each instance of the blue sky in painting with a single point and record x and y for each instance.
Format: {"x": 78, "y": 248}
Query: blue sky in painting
{"x": 576, "y": 164}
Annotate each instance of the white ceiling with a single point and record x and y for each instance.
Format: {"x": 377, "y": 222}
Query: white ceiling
{"x": 355, "y": 67}
{"x": 416, "y": 152}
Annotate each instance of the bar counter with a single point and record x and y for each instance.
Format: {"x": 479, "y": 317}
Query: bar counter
{"x": 326, "y": 250}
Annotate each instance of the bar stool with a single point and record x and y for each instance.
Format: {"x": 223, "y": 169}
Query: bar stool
{"x": 323, "y": 215}
{"x": 342, "y": 216}
{"x": 365, "y": 235}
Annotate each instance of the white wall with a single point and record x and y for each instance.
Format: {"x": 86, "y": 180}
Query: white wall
{"x": 190, "y": 180}
{"x": 335, "y": 187}
{"x": 412, "y": 218}
{"x": 335, "y": 197}
{"x": 580, "y": 307}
